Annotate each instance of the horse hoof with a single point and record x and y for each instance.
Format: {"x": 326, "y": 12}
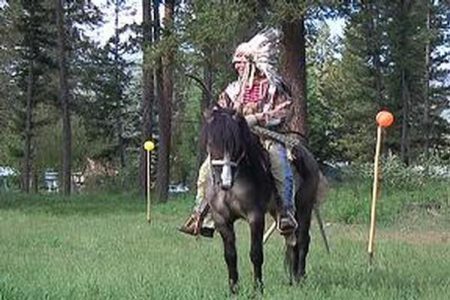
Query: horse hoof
{"x": 300, "y": 279}
{"x": 259, "y": 287}
{"x": 234, "y": 288}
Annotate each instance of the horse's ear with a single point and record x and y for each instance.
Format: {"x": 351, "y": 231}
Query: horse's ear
{"x": 207, "y": 114}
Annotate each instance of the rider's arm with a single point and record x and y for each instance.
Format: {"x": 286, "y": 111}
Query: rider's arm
{"x": 272, "y": 117}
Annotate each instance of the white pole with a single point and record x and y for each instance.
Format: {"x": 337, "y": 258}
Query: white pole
{"x": 269, "y": 232}
{"x": 374, "y": 195}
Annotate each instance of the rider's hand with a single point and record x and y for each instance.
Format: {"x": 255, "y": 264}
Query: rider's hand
{"x": 281, "y": 106}
{"x": 279, "y": 110}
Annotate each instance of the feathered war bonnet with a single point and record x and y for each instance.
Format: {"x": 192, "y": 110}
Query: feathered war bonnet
{"x": 260, "y": 53}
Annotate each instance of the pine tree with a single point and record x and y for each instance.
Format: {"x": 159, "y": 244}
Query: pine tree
{"x": 9, "y": 90}
{"x": 322, "y": 57}
{"x": 28, "y": 71}
{"x": 147, "y": 92}
{"x": 436, "y": 128}
{"x": 165, "y": 105}
{"x": 64, "y": 98}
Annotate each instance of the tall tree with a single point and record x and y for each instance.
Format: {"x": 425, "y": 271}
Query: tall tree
{"x": 322, "y": 57}
{"x": 158, "y": 85}
{"x": 117, "y": 76}
{"x": 164, "y": 106}
{"x": 293, "y": 17}
{"x": 30, "y": 37}
{"x": 348, "y": 86}
{"x": 148, "y": 89}
{"x": 426, "y": 90}
{"x": 294, "y": 69}
{"x": 383, "y": 66}
{"x": 436, "y": 126}
{"x": 26, "y": 46}
{"x": 407, "y": 55}
{"x": 106, "y": 105}
{"x": 374, "y": 28}
{"x": 64, "y": 99}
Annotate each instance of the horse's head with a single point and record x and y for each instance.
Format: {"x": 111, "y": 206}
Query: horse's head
{"x": 227, "y": 136}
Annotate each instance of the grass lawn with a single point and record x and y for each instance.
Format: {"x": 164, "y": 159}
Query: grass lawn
{"x": 100, "y": 247}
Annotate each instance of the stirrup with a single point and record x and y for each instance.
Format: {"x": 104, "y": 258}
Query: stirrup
{"x": 192, "y": 225}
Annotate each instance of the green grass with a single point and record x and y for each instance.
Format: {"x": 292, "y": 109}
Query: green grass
{"x": 350, "y": 202}
{"x": 100, "y": 247}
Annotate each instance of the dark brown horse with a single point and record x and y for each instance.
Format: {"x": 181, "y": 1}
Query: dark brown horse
{"x": 242, "y": 187}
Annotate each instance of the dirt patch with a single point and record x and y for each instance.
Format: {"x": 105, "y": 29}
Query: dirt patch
{"x": 418, "y": 238}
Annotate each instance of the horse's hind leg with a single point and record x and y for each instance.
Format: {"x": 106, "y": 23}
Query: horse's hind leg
{"x": 304, "y": 222}
{"x": 256, "y": 249}
{"x": 229, "y": 244}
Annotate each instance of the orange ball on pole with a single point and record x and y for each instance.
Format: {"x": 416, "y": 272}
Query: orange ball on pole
{"x": 385, "y": 118}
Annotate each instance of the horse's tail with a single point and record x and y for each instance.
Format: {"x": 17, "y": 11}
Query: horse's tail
{"x": 322, "y": 190}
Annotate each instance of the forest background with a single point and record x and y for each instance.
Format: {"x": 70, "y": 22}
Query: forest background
{"x": 84, "y": 83}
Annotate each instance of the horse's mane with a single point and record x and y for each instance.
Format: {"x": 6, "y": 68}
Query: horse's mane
{"x": 228, "y": 130}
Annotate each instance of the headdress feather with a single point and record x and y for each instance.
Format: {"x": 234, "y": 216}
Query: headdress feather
{"x": 262, "y": 50}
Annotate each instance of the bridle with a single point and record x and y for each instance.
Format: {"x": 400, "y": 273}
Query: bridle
{"x": 227, "y": 164}
{"x": 224, "y": 161}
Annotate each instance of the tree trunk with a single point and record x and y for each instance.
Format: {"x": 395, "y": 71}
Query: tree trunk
{"x": 294, "y": 70}
{"x": 120, "y": 138}
{"x": 426, "y": 111}
{"x": 165, "y": 110}
{"x": 404, "y": 143}
{"x": 122, "y": 144}
{"x": 26, "y": 176}
{"x": 147, "y": 94}
{"x": 35, "y": 181}
{"x": 31, "y": 78}
{"x": 405, "y": 81}
{"x": 158, "y": 88}
{"x": 64, "y": 99}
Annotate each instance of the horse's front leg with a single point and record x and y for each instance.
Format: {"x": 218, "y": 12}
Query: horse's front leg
{"x": 256, "y": 249}
{"x": 226, "y": 230}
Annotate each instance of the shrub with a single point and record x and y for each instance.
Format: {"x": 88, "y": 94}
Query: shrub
{"x": 402, "y": 188}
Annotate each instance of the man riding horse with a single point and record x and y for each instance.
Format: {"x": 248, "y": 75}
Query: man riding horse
{"x": 264, "y": 99}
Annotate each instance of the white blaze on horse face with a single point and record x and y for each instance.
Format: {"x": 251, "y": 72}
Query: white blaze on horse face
{"x": 226, "y": 175}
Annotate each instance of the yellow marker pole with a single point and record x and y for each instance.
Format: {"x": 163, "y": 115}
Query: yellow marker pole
{"x": 148, "y": 146}
{"x": 384, "y": 119}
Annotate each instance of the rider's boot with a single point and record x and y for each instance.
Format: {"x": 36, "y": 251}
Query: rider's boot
{"x": 286, "y": 223}
{"x": 194, "y": 224}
